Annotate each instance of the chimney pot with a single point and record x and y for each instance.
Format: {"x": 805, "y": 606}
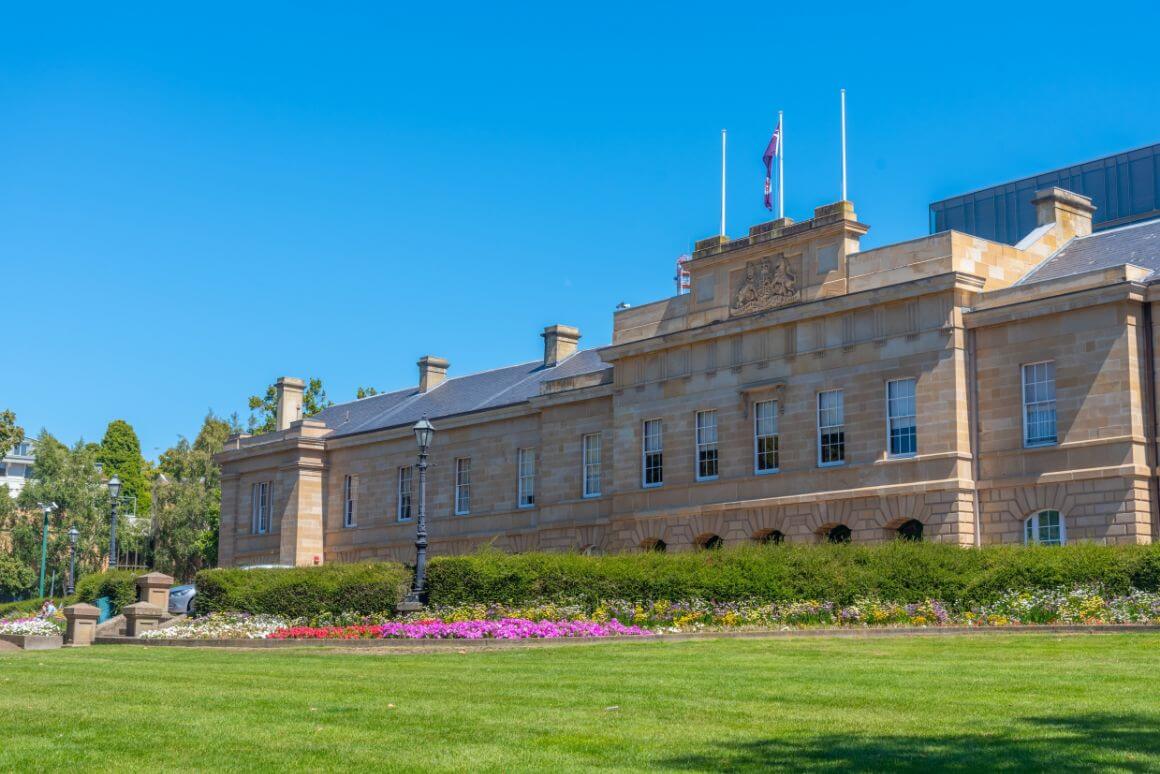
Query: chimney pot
{"x": 560, "y": 342}
{"x": 432, "y": 372}
{"x": 288, "y": 390}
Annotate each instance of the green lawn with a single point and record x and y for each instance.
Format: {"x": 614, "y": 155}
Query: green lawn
{"x": 961, "y": 703}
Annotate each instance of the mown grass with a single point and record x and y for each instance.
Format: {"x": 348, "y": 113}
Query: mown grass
{"x": 1016, "y": 702}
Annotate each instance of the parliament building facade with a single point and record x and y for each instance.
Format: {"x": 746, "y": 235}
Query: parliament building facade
{"x": 949, "y": 389}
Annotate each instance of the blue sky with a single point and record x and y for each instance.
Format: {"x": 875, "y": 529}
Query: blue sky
{"x": 193, "y": 202}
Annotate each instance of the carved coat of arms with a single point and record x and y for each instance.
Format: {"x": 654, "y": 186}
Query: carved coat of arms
{"x": 766, "y": 283}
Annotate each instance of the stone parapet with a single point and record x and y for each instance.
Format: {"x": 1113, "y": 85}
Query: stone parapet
{"x": 82, "y": 624}
{"x": 141, "y": 617}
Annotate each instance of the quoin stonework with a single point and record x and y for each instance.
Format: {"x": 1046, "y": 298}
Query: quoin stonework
{"x": 949, "y": 388}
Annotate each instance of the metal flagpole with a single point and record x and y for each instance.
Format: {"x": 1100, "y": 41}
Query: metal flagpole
{"x": 722, "y": 182}
{"x": 843, "y": 145}
{"x": 780, "y": 166}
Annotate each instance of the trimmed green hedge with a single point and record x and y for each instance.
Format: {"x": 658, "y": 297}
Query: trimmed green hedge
{"x": 900, "y": 571}
{"x": 304, "y": 591}
{"x": 120, "y": 586}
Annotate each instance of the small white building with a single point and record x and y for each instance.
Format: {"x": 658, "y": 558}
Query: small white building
{"x": 16, "y": 467}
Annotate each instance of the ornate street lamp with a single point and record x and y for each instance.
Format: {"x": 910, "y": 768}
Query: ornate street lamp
{"x": 73, "y": 534}
{"x": 424, "y": 433}
{"x": 115, "y": 499}
{"x": 47, "y": 508}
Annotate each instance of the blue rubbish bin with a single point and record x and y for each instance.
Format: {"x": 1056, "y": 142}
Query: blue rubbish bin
{"x": 106, "y": 608}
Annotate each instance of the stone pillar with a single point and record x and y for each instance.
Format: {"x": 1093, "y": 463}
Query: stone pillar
{"x": 82, "y": 624}
{"x": 140, "y": 617}
{"x": 154, "y": 589}
{"x": 299, "y": 501}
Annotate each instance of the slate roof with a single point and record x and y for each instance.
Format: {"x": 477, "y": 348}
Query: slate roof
{"x": 1138, "y": 243}
{"x": 459, "y": 395}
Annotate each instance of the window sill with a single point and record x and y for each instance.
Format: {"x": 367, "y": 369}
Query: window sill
{"x": 769, "y": 472}
{"x": 838, "y": 464}
{"x": 652, "y": 486}
{"x": 592, "y": 496}
{"x": 907, "y": 456}
{"x": 703, "y": 479}
{"x": 1041, "y": 445}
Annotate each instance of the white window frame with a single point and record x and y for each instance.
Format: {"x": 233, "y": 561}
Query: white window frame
{"x": 1031, "y": 525}
{"x": 526, "y": 478}
{"x": 645, "y": 451}
{"x": 757, "y": 436}
{"x": 260, "y": 495}
{"x": 842, "y": 424}
{"x": 462, "y": 486}
{"x": 587, "y": 466}
{"x": 1025, "y": 404}
{"x": 700, "y": 444}
{"x": 404, "y": 497}
{"x": 349, "y": 501}
{"x": 890, "y": 417}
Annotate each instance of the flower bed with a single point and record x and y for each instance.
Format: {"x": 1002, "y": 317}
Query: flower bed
{"x": 1082, "y": 605}
{"x": 29, "y": 627}
{"x": 220, "y": 626}
{"x": 570, "y": 619}
{"x": 503, "y": 629}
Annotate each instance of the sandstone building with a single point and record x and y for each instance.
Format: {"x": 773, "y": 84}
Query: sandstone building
{"x": 948, "y": 388}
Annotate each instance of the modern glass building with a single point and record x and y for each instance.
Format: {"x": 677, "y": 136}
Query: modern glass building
{"x": 1125, "y": 188}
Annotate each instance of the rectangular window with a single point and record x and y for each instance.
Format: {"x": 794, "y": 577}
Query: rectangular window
{"x": 349, "y": 494}
{"x": 526, "y": 467}
{"x": 706, "y": 445}
{"x": 1039, "y": 404}
{"x": 260, "y": 507}
{"x": 462, "y": 486}
{"x": 765, "y": 440}
{"x": 652, "y": 461}
{"x": 831, "y": 428}
{"x": 403, "y": 503}
{"x": 591, "y": 454}
{"x": 901, "y": 428}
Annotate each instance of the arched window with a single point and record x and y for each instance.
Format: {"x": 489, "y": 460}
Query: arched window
{"x": 711, "y": 543}
{"x": 838, "y": 534}
{"x": 769, "y": 536}
{"x": 1045, "y": 528}
{"x": 654, "y": 545}
{"x": 911, "y": 530}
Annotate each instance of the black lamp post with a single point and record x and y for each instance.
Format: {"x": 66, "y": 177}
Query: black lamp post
{"x": 72, "y": 561}
{"x": 424, "y": 432}
{"x": 115, "y": 498}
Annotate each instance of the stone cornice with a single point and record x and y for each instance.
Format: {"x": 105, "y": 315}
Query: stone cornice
{"x": 1025, "y": 308}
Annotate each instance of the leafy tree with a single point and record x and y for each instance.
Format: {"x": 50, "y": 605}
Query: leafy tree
{"x": 266, "y": 419}
{"x": 187, "y": 500}
{"x": 365, "y": 392}
{"x": 68, "y": 478}
{"x": 16, "y": 577}
{"x": 10, "y": 432}
{"x": 120, "y": 453}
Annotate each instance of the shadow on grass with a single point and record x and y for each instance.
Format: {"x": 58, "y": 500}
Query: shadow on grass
{"x": 1074, "y": 743}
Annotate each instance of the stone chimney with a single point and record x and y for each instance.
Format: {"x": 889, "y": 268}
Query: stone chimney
{"x": 1070, "y": 211}
{"x": 432, "y": 372}
{"x": 289, "y": 391}
{"x": 559, "y": 343}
